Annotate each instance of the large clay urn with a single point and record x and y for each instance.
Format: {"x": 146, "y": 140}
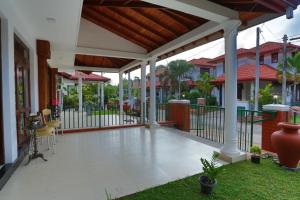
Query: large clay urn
{"x": 286, "y": 143}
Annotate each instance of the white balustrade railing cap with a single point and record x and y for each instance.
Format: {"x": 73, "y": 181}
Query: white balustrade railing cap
{"x": 276, "y": 107}
{"x": 184, "y": 101}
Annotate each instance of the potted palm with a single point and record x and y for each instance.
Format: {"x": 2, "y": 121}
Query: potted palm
{"x": 208, "y": 179}
{"x": 255, "y": 154}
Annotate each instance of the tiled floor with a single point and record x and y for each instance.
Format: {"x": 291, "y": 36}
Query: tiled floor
{"x": 120, "y": 161}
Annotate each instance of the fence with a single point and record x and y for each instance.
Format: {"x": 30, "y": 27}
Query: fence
{"x": 98, "y": 117}
{"x": 209, "y": 122}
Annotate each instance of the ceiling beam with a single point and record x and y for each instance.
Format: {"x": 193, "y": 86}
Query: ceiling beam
{"x": 201, "y": 8}
{"x": 200, "y": 32}
{"x": 136, "y": 21}
{"x": 131, "y": 4}
{"x": 92, "y": 16}
{"x": 97, "y": 69}
{"x": 271, "y": 5}
{"x": 110, "y": 53}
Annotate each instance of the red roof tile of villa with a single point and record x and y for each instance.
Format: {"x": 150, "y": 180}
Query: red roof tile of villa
{"x": 267, "y": 47}
{"x": 247, "y": 73}
{"x": 84, "y": 76}
{"x": 202, "y": 62}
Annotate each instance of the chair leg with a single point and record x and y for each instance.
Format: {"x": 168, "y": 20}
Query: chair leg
{"x": 53, "y": 143}
{"x": 48, "y": 142}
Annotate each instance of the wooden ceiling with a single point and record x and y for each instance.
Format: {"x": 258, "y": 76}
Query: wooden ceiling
{"x": 100, "y": 61}
{"x": 146, "y": 25}
{"x": 151, "y": 26}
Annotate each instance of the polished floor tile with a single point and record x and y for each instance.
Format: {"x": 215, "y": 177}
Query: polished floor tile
{"x": 121, "y": 161}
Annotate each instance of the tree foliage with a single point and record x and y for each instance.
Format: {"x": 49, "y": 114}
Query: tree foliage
{"x": 178, "y": 71}
{"x": 204, "y": 84}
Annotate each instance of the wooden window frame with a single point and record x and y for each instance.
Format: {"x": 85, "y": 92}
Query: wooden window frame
{"x": 274, "y": 57}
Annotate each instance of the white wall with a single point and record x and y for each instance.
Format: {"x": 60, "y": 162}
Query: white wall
{"x": 11, "y": 24}
{"x": 219, "y": 69}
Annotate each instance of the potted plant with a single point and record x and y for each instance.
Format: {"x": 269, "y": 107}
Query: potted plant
{"x": 210, "y": 171}
{"x": 255, "y": 154}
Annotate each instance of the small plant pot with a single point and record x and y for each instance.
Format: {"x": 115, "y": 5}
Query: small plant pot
{"x": 206, "y": 188}
{"x": 255, "y": 159}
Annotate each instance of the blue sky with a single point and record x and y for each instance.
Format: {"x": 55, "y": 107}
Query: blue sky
{"x": 271, "y": 31}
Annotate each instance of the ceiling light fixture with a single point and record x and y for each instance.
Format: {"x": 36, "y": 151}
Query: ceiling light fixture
{"x": 50, "y": 19}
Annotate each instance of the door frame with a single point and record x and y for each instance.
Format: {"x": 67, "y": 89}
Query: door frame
{"x": 25, "y": 109}
{"x": 2, "y": 153}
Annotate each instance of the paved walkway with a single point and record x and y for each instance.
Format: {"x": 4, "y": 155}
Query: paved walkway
{"x": 121, "y": 161}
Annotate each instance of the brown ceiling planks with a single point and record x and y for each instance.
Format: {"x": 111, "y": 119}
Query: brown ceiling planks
{"x": 100, "y": 61}
{"x": 151, "y": 26}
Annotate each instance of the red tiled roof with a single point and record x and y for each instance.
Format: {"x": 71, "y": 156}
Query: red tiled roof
{"x": 202, "y": 62}
{"x": 274, "y": 46}
{"x": 84, "y": 76}
{"x": 267, "y": 47}
{"x": 240, "y": 53}
{"x": 247, "y": 73}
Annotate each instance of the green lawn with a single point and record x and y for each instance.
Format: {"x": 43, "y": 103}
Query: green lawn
{"x": 242, "y": 180}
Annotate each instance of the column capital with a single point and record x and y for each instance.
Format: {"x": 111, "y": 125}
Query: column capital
{"x": 230, "y": 27}
{"x": 144, "y": 64}
{"x": 153, "y": 59}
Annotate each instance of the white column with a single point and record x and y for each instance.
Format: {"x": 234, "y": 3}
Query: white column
{"x": 160, "y": 95}
{"x": 230, "y": 148}
{"x": 121, "y": 92}
{"x": 152, "y": 112}
{"x": 8, "y": 84}
{"x": 223, "y": 95}
{"x": 99, "y": 93}
{"x": 102, "y": 92}
{"x": 80, "y": 94}
{"x": 129, "y": 89}
{"x": 143, "y": 92}
{"x": 61, "y": 93}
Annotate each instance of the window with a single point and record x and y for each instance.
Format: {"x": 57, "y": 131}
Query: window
{"x": 261, "y": 59}
{"x": 223, "y": 66}
{"x": 274, "y": 57}
{"x": 203, "y": 70}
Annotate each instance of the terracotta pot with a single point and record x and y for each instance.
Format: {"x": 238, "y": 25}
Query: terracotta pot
{"x": 286, "y": 143}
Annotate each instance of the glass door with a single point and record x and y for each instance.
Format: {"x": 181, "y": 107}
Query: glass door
{"x": 22, "y": 90}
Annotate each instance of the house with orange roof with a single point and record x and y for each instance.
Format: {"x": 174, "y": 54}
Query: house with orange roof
{"x": 271, "y": 54}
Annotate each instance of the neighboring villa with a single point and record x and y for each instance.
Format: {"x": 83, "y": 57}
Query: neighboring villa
{"x": 271, "y": 54}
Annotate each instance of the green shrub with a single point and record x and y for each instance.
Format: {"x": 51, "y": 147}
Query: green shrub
{"x": 211, "y": 101}
{"x": 210, "y": 168}
{"x": 255, "y": 150}
{"x": 265, "y": 95}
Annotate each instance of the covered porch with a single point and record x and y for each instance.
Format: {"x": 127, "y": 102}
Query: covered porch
{"x": 120, "y": 161}
{"x": 113, "y": 37}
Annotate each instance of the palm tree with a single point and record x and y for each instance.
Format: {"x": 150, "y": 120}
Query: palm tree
{"x": 204, "y": 84}
{"x": 178, "y": 72}
{"x": 164, "y": 77}
{"x": 293, "y": 71}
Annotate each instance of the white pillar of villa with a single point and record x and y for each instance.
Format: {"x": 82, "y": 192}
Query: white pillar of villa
{"x": 152, "y": 112}
{"x": 121, "y": 92}
{"x": 9, "y": 98}
{"x": 230, "y": 150}
{"x": 143, "y": 92}
{"x": 129, "y": 89}
{"x": 99, "y": 92}
{"x": 160, "y": 95}
{"x": 102, "y": 92}
{"x": 80, "y": 94}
